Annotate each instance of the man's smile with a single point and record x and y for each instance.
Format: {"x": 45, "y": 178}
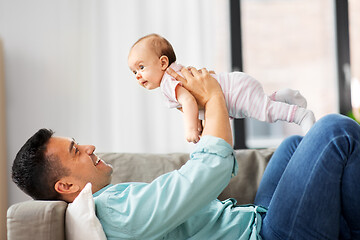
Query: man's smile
{"x": 97, "y": 161}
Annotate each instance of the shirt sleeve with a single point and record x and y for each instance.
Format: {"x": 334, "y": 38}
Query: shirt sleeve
{"x": 150, "y": 210}
{"x": 167, "y": 86}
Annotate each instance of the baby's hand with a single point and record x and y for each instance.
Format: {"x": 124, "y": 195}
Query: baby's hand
{"x": 192, "y": 135}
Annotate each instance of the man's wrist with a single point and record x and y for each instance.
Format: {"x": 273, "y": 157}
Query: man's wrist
{"x": 215, "y": 98}
{"x": 217, "y": 118}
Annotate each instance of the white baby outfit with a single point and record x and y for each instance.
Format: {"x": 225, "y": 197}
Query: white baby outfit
{"x": 244, "y": 97}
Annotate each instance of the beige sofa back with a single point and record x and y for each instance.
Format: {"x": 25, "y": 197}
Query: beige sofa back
{"x": 45, "y": 220}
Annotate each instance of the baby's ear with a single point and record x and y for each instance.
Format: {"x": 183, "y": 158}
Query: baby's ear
{"x": 164, "y": 60}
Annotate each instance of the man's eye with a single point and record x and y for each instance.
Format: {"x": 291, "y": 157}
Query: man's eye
{"x": 141, "y": 67}
{"x": 76, "y": 150}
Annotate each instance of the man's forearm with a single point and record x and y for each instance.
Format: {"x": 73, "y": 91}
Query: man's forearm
{"x": 217, "y": 119}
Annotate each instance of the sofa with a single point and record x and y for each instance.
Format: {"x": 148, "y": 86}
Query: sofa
{"x": 45, "y": 220}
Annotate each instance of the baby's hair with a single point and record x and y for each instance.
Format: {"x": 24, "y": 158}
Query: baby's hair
{"x": 160, "y": 46}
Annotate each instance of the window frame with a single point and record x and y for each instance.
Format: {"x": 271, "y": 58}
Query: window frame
{"x": 341, "y": 15}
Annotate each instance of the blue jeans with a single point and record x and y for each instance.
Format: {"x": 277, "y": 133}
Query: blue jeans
{"x": 311, "y": 185}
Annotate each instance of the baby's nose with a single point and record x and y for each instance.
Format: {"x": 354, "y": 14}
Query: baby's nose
{"x": 138, "y": 76}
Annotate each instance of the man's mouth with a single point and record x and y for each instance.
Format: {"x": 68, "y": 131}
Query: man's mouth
{"x": 97, "y": 161}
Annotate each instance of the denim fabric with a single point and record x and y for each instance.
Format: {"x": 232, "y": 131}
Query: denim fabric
{"x": 311, "y": 186}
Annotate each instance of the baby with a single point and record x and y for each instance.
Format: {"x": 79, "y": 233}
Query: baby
{"x": 151, "y": 55}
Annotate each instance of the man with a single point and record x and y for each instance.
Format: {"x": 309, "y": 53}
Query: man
{"x": 310, "y": 184}
{"x": 61, "y": 168}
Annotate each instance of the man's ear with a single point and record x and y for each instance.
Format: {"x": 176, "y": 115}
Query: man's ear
{"x": 65, "y": 187}
{"x": 164, "y": 60}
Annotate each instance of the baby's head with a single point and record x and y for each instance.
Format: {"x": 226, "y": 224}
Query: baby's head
{"x": 148, "y": 59}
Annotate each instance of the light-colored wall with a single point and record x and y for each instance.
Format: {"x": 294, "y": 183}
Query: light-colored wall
{"x": 3, "y": 162}
{"x": 40, "y": 66}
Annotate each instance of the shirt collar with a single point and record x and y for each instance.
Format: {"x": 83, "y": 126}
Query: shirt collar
{"x": 102, "y": 190}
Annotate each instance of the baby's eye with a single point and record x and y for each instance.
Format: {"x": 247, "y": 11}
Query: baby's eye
{"x": 135, "y": 72}
{"x": 141, "y": 67}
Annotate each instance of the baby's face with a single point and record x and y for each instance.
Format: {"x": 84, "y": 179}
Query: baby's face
{"x": 146, "y": 66}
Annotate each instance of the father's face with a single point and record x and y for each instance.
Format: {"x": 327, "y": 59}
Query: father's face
{"x": 83, "y": 164}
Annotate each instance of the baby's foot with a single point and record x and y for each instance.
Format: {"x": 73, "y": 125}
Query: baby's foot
{"x": 305, "y": 118}
{"x": 289, "y": 96}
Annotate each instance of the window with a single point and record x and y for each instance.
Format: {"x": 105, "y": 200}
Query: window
{"x": 289, "y": 44}
{"x": 354, "y": 32}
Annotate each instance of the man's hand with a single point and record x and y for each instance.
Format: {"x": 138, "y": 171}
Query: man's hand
{"x": 208, "y": 95}
{"x": 199, "y": 83}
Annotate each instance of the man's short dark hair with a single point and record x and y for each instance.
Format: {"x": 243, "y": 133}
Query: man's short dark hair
{"x": 35, "y": 172}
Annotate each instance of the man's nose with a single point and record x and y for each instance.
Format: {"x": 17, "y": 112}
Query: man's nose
{"x": 89, "y": 149}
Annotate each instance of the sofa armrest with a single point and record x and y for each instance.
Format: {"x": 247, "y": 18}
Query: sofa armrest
{"x": 41, "y": 220}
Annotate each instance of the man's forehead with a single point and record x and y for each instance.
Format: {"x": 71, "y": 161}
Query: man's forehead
{"x": 58, "y": 144}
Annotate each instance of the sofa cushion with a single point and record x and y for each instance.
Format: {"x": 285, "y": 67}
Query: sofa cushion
{"x": 41, "y": 220}
{"x": 141, "y": 167}
{"x": 252, "y": 164}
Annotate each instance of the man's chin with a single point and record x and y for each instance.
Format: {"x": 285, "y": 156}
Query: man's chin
{"x": 111, "y": 169}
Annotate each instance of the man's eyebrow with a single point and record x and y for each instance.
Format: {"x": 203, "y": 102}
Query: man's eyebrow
{"x": 71, "y": 145}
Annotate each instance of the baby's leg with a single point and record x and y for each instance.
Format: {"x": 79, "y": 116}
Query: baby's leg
{"x": 289, "y": 96}
{"x": 245, "y": 97}
{"x": 305, "y": 118}
{"x": 290, "y": 113}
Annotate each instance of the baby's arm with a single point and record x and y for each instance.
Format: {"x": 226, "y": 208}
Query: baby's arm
{"x": 191, "y": 112}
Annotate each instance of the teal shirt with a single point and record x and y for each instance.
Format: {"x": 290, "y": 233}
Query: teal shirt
{"x": 181, "y": 204}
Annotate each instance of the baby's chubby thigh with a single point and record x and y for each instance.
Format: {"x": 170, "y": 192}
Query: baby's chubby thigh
{"x": 239, "y": 88}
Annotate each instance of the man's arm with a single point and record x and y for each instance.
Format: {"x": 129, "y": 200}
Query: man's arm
{"x": 208, "y": 95}
{"x": 149, "y": 211}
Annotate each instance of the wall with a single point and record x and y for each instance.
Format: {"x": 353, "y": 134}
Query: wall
{"x": 3, "y": 162}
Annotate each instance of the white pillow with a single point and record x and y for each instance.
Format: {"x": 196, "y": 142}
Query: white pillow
{"x": 81, "y": 221}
